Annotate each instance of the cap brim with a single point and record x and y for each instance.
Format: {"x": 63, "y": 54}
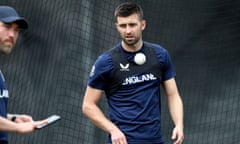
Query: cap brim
{"x": 22, "y": 23}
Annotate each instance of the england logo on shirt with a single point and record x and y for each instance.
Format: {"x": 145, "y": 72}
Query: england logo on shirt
{"x": 138, "y": 79}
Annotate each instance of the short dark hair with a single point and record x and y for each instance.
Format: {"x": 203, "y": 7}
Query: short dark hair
{"x": 127, "y": 9}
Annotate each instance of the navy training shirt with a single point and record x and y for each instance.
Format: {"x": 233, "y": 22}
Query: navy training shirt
{"x": 135, "y": 106}
{"x": 3, "y": 104}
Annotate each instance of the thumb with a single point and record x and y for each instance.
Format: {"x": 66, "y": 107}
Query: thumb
{"x": 42, "y": 122}
{"x": 173, "y": 135}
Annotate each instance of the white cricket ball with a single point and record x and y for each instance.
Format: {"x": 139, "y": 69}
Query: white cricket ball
{"x": 139, "y": 58}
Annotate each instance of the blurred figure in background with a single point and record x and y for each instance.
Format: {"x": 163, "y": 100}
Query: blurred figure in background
{"x": 10, "y": 24}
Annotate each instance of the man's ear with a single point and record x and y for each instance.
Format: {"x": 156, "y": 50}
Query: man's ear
{"x": 116, "y": 25}
{"x": 144, "y": 24}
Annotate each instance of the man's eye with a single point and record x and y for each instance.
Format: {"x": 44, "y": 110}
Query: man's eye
{"x": 17, "y": 30}
{"x": 122, "y": 26}
{"x": 7, "y": 26}
{"x": 132, "y": 25}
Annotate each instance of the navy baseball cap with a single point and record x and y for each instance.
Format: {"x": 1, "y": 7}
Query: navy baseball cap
{"x": 9, "y": 15}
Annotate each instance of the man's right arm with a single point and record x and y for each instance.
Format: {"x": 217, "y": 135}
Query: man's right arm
{"x": 92, "y": 111}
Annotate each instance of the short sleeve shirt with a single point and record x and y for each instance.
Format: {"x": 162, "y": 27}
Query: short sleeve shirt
{"x": 135, "y": 108}
{"x": 3, "y": 103}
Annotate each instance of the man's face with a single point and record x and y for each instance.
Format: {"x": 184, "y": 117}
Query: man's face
{"x": 8, "y": 37}
{"x": 130, "y": 29}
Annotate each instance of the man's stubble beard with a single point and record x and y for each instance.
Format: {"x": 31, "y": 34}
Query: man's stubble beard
{"x": 5, "y": 49}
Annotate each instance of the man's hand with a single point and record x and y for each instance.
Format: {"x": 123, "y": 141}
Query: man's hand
{"x": 23, "y": 118}
{"x": 177, "y": 135}
{"x": 26, "y": 127}
{"x": 118, "y": 137}
{"x": 26, "y": 124}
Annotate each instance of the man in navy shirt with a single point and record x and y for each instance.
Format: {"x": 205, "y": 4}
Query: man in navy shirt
{"x": 130, "y": 74}
{"x": 10, "y": 24}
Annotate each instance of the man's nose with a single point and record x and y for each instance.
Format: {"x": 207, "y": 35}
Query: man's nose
{"x": 128, "y": 29}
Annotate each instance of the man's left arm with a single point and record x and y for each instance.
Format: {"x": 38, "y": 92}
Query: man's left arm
{"x": 176, "y": 109}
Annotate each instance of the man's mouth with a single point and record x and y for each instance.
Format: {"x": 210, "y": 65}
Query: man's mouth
{"x": 129, "y": 38}
{"x": 9, "y": 42}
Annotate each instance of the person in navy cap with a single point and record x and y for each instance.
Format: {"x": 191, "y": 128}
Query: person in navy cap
{"x": 10, "y": 24}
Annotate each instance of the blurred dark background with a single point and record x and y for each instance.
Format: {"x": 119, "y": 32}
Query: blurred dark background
{"x": 49, "y": 67}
